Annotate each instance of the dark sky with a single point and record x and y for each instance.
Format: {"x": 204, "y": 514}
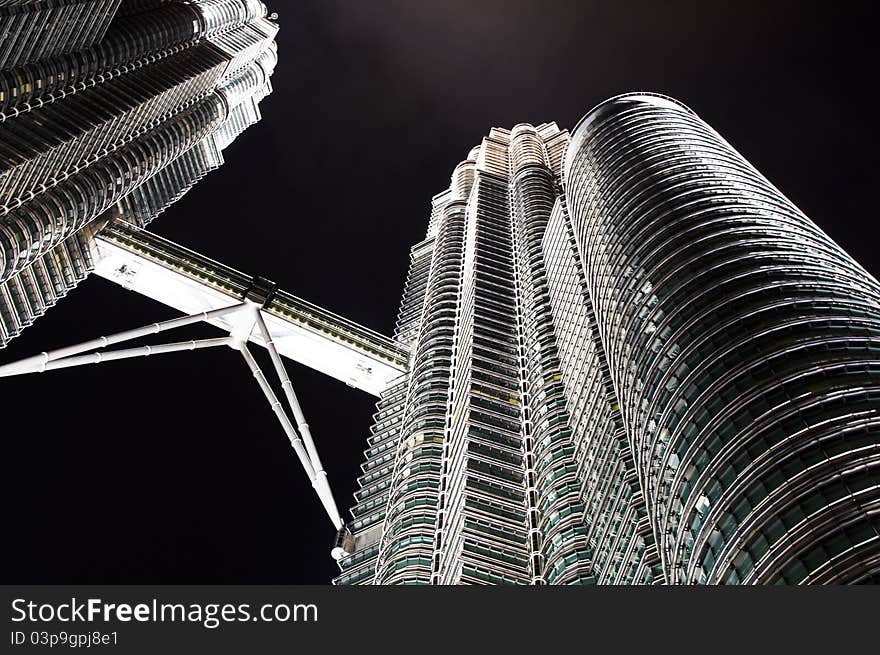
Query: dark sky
{"x": 173, "y": 469}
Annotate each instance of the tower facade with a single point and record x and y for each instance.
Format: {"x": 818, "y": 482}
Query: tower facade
{"x": 633, "y": 360}
{"x": 110, "y": 110}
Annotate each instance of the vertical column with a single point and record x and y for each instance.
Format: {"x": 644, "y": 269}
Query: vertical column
{"x": 559, "y": 551}
{"x": 483, "y": 538}
{"x": 407, "y": 545}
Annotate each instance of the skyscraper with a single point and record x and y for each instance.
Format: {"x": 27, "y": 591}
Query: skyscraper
{"x": 633, "y": 360}
{"x": 110, "y": 110}
{"x": 621, "y": 356}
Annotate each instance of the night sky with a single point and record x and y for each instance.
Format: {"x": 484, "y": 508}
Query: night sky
{"x": 173, "y": 469}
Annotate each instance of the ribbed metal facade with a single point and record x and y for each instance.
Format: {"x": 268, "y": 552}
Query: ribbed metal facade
{"x": 646, "y": 368}
{"x": 744, "y": 347}
{"x": 35, "y": 29}
{"x": 114, "y": 120}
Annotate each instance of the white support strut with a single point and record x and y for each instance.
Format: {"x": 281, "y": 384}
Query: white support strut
{"x": 39, "y": 362}
{"x": 295, "y": 440}
{"x": 127, "y": 353}
{"x": 319, "y": 478}
{"x": 302, "y": 441}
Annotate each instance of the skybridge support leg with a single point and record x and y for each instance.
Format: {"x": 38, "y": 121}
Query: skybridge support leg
{"x": 243, "y": 325}
{"x": 326, "y": 498}
{"x": 319, "y": 480}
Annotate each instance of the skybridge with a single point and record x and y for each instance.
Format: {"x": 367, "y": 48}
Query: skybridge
{"x": 303, "y": 332}
{"x": 248, "y": 310}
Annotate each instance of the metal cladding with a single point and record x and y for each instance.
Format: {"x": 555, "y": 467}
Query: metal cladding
{"x": 113, "y": 121}
{"x": 743, "y": 345}
{"x": 35, "y": 29}
{"x": 633, "y": 361}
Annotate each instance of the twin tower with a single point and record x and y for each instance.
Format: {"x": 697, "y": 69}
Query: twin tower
{"x": 625, "y": 356}
{"x": 633, "y": 361}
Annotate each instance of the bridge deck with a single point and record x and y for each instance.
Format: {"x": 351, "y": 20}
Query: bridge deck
{"x": 175, "y": 276}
